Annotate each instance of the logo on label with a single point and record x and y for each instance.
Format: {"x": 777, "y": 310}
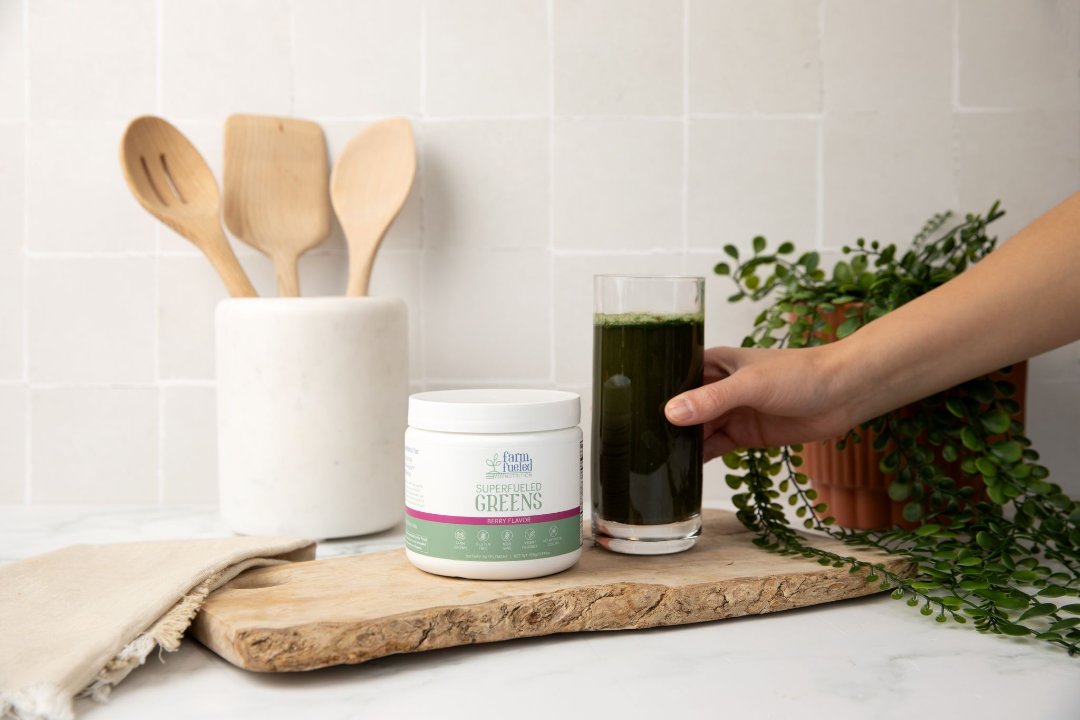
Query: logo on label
{"x": 509, "y": 465}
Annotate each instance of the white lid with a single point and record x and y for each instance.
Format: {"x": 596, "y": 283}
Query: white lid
{"x": 494, "y": 411}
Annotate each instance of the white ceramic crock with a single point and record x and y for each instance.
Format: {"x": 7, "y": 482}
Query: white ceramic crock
{"x": 312, "y": 402}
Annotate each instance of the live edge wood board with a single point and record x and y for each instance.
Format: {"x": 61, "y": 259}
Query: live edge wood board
{"x": 345, "y": 610}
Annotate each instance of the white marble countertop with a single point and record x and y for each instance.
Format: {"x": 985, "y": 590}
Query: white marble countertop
{"x": 866, "y": 658}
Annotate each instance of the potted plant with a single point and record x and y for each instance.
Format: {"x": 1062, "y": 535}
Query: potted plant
{"x": 952, "y": 463}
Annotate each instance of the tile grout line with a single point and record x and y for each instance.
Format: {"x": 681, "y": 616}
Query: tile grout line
{"x": 1001, "y": 109}
{"x": 87, "y": 385}
{"x": 820, "y": 181}
{"x": 819, "y": 159}
{"x": 956, "y": 55}
{"x": 553, "y": 368}
{"x": 28, "y": 441}
{"x": 242, "y": 253}
{"x": 159, "y": 30}
{"x": 292, "y": 58}
{"x": 587, "y": 252}
{"x": 493, "y": 382}
{"x": 954, "y": 131}
{"x": 685, "y": 190}
{"x": 63, "y": 256}
{"x": 159, "y": 33}
{"x": 423, "y": 250}
{"x": 200, "y": 121}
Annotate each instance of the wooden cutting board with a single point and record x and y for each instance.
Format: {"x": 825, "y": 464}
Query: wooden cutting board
{"x": 344, "y": 610}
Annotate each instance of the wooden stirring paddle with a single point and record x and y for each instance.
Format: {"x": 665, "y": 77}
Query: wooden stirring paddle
{"x": 371, "y": 180}
{"x": 172, "y": 181}
{"x": 276, "y": 189}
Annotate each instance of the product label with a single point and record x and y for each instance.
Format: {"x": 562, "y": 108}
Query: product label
{"x": 491, "y": 502}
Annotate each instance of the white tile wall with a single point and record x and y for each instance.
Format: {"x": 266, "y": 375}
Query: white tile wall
{"x": 76, "y": 198}
{"x": 354, "y": 58}
{"x": 749, "y": 56}
{"x": 557, "y": 139}
{"x": 485, "y": 184}
{"x": 1025, "y": 159}
{"x": 618, "y": 184}
{"x": 94, "y": 445}
{"x": 12, "y": 61}
{"x": 189, "y": 445}
{"x": 91, "y": 320}
{"x": 488, "y": 313}
{"x": 487, "y": 57}
{"x": 888, "y": 55}
{"x": 1018, "y": 53}
{"x": 222, "y": 56}
{"x": 188, "y": 290}
{"x": 885, "y": 173}
{"x": 91, "y": 61}
{"x": 12, "y": 200}
{"x": 752, "y": 176}
{"x": 13, "y": 434}
{"x": 618, "y": 57}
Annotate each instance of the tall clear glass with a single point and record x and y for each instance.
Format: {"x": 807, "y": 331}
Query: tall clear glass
{"x": 648, "y": 346}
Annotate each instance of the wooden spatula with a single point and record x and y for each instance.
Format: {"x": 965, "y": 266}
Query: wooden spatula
{"x": 169, "y": 178}
{"x": 276, "y": 189}
{"x": 371, "y": 180}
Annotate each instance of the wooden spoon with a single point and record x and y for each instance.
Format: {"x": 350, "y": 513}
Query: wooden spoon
{"x": 169, "y": 178}
{"x": 371, "y": 180}
{"x": 277, "y": 197}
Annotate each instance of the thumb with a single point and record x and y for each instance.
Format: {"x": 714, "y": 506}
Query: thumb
{"x": 703, "y": 404}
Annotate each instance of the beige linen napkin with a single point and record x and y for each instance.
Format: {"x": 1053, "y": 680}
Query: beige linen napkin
{"x": 78, "y": 620}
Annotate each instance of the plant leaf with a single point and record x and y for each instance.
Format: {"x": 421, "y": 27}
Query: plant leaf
{"x": 996, "y": 421}
{"x": 1039, "y": 610}
{"x": 1014, "y": 630}
{"x": 1008, "y": 450}
{"x": 847, "y": 327}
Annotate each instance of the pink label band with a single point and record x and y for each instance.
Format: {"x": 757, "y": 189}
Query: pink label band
{"x": 516, "y": 520}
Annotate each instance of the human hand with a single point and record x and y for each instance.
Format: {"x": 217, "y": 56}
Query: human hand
{"x": 765, "y": 398}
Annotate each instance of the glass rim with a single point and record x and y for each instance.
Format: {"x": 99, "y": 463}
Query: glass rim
{"x": 599, "y": 276}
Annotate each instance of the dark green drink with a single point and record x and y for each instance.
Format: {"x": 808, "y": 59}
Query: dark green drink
{"x": 646, "y": 472}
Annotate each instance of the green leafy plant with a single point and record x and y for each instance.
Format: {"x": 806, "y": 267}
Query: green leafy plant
{"x": 990, "y": 540}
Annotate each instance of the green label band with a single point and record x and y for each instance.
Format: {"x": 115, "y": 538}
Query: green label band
{"x": 492, "y": 543}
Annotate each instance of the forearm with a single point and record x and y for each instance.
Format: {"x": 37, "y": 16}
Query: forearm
{"x": 1021, "y": 300}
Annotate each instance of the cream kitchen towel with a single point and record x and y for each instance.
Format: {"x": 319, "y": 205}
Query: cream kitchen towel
{"x": 76, "y": 621}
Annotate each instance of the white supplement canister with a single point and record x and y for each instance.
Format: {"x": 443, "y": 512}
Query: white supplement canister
{"x": 493, "y": 483}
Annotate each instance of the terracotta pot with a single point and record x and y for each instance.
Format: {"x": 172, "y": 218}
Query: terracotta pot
{"x": 851, "y": 482}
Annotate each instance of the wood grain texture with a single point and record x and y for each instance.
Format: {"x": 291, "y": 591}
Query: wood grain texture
{"x": 277, "y": 189}
{"x": 370, "y": 183}
{"x": 353, "y": 609}
{"x": 171, "y": 180}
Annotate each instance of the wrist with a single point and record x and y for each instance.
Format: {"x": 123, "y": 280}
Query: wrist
{"x": 852, "y": 378}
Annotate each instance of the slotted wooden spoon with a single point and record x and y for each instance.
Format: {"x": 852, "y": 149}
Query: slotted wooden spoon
{"x": 169, "y": 178}
{"x": 370, "y": 183}
{"x": 277, "y": 195}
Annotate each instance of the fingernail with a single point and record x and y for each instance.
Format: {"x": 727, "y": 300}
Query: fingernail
{"x": 679, "y": 409}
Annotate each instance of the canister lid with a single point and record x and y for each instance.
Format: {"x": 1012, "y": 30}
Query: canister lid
{"x": 494, "y": 410}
